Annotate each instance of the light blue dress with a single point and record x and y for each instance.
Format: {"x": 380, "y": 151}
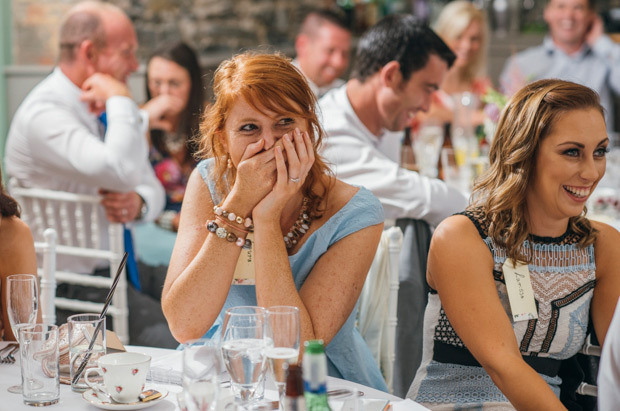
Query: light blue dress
{"x": 348, "y": 356}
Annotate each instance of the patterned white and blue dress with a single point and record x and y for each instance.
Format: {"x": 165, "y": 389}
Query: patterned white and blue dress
{"x": 562, "y": 277}
{"x": 348, "y": 356}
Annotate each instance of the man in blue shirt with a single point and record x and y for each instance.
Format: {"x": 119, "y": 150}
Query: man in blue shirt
{"x": 575, "y": 49}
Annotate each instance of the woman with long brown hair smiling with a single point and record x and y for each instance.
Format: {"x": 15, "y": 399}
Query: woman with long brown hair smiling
{"x": 516, "y": 276}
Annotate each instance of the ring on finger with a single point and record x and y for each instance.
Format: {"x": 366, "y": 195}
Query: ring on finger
{"x": 124, "y": 212}
{"x": 294, "y": 180}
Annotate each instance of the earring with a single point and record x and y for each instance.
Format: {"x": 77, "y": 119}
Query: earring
{"x": 229, "y": 163}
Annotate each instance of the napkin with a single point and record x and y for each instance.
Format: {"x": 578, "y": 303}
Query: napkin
{"x": 371, "y": 404}
{"x": 167, "y": 369}
{"x": 407, "y": 405}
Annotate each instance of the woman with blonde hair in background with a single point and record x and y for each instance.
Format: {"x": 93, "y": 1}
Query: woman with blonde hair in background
{"x": 465, "y": 30}
{"x": 516, "y": 276}
{"x": 263, "y": 187}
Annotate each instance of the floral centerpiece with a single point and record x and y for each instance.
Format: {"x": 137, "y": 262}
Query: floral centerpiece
{"x": 494, "y": 104}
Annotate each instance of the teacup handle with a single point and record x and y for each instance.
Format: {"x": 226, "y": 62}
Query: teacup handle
{"x": 95, "y": 386}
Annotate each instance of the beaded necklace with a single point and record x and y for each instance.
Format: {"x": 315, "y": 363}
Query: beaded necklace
{"x": 301, "y": 226}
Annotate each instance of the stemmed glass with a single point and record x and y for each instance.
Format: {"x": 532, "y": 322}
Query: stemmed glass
{"x": 243, "y": 350}
{"x": 202, "y": 366}
{"x": 282, "y": 342}
{"x": 22, "y": 296}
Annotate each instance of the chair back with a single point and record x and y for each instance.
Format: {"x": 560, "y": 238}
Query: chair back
{"x": 377, "y": 316}
{"x": 592, "y": 350}
{"x": 77, "y": 219}
{"x": 47, "y": 274}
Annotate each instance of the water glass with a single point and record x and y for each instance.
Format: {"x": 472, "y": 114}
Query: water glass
{"x": 282, "y": 342}
{"x": 39, "y": 364}
{"x": 345, "y": 399}
{"x": 202, "y": 368}
{"x": 81, "y": 331}
{"x": 243, "y": 350}
{"x": 455, "y": 175}
{"x": 22, "y": 295}
{"x": 426, "y": 147}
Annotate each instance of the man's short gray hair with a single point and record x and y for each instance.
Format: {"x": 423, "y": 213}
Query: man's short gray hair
{"x": 83, "y": 22}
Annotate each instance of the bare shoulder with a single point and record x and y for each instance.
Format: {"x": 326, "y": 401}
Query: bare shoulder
{"x": 606, "y": 247}
{"x": 341, "y": 192}
{"x": 608, "y": 236}
{"x": 339, "y": 195}
{"x": 197, "y": 205}
{"x": 455, "y": 229}
{"x": 196, "y": 182}
{"x": 456, "y": 246}
{"x": 14, "y": 234}
{"x": 17, "y": 253}
{"x": 197, "y": 191}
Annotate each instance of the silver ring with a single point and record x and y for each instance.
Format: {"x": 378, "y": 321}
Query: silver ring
{"x": 294, "y": 180}
{"x": 124, "y": 212}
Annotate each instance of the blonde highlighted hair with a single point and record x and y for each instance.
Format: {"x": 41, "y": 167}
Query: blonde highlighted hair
{"x": 527, "y": 119}
{"x": 268, "y": 82}
{"x": 454, "y": 19}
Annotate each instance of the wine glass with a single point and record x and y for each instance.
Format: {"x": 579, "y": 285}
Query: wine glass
{"x": 202, "y": 366}
{"x": 243, "y": 349}
{"x": 282, "y": 342}
{"x": 22, "y": 296}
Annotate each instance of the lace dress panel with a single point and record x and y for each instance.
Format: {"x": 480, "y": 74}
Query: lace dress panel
{"x": 562, "y": 277}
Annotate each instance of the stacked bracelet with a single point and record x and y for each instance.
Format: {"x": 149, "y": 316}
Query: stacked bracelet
{"x": 225, "y": 222}
{"x": 221, "y": 232}
{"x": 246, "y": 222}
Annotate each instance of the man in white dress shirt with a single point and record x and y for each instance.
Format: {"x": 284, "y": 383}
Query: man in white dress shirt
{"x": 57, "y": 139}
{"x": 323, "y": 48}
{"x": 399, "y": 64}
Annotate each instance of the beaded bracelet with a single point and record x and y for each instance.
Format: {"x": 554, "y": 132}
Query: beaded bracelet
{"x": 246, "y": 222}
{"x": 221, "y": 232}
{"x": 225, "y": 222}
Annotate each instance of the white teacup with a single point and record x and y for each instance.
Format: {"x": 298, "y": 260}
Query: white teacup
{"x": 124, "y": 375}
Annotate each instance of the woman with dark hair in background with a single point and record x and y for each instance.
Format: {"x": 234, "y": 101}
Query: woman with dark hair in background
{"x": 17, "y": 254}
{"x": 174, "y": 78}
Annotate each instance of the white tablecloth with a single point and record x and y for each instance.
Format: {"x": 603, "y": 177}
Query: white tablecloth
{"x": 11, "y": 375}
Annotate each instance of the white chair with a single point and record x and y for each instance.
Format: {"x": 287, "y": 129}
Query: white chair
{"x": 594, "y": 351}
{"x": 377, "y": 316}
{"x": 47, "y": 273}
{"x": 77, "y": 220}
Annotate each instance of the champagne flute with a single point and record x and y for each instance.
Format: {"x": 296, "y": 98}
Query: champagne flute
{"x": 282, "y": 342}
{"x": 243, "y": 349}
{"x": 202, "y": 366}
{"x": 22, "y": 296}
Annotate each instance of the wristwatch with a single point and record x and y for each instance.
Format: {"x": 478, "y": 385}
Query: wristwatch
{"x": 143, "y": 210}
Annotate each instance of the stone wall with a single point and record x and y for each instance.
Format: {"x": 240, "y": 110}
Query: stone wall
{"x": 212, "y": 27}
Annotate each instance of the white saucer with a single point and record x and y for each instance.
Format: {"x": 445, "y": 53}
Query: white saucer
{"x": 91, "y": 396}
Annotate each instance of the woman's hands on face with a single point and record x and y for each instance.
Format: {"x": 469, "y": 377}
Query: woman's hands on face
{"x": 255, "y": 173}
{"x": 293, "y": 160}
